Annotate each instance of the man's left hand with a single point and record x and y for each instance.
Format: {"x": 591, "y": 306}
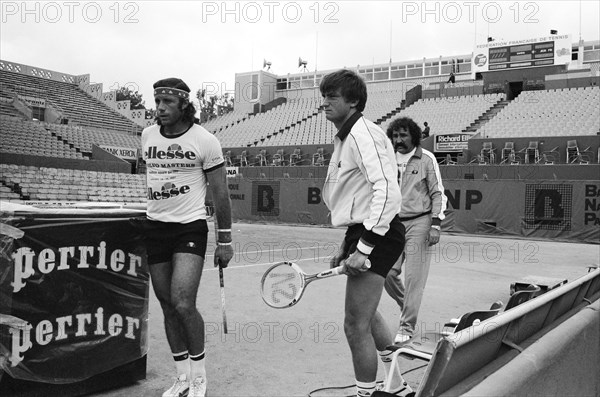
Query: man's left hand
{"x": 434, "y": 236}
{"x": 223, "y": 254}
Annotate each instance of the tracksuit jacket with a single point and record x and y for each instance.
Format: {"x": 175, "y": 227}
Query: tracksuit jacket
{"x": 361, "y": 184}
{"x": 422, "y": 188}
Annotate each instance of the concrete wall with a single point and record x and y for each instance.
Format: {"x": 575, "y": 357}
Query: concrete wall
{"x": 564, "y": 362}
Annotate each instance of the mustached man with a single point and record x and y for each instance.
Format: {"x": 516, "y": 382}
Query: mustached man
{"x": 183, "y": 160}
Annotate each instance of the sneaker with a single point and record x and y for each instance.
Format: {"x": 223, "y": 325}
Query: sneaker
{"x": 401, "y": 338}
{"x": 179, "y": 388}
{"x": 197, "y": 387}
{"x": 404, "y": 390}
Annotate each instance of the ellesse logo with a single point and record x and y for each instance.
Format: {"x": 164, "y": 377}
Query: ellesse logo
{"x": 168, "y": 190}
{"x": 173, "y": 152}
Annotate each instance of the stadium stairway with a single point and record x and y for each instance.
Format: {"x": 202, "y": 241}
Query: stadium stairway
{"x": 392, "y": 113}
{"x": 487, "y": 116}
{"x": 70, "y": 144}
{"x": 296, "y": 120}
{"x": 11, "y": 191}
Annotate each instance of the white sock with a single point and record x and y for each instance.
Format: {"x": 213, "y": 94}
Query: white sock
{"x": 198, "y": 366}
{"x": 364, "y": 389}
{"x": 182, "y": 363}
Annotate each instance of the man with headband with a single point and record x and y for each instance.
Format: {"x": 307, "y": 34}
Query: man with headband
{"x": 182, "y": 161}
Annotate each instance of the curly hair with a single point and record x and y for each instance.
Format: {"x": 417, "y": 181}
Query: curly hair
{"x": 408, "y": 124}
{"x": 189, "y": 112}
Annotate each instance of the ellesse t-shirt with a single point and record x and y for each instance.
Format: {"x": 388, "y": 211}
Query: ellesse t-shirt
{"x": 175, "y": 172}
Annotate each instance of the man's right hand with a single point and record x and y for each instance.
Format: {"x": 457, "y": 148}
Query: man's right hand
{"x": 336, "y": 260}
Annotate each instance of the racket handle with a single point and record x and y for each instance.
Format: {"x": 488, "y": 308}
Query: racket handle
{"x": 336, "y": 271}
{"x": 366, "y": 266}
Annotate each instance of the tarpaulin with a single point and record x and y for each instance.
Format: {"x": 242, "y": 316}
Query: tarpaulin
{"x": 73, "y": 293}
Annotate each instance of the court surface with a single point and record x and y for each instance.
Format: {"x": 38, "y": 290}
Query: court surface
{"x": 291, "y": 352}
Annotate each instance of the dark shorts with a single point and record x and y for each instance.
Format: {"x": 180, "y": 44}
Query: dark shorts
{"x": 163, "y": 239}
{"x": 386, "y": 252}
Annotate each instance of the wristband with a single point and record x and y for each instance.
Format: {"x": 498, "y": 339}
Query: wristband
{"x": 436, "y": 227}
{"x": 360, "y": 252}
{"x": 219, "y": 243}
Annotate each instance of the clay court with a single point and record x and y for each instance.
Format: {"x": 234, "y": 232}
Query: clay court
{"x": 291, "y": 352}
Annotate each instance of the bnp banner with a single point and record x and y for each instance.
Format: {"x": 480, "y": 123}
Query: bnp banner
{"x": 563, "y": 210}
{"x": 557, "y": 210}
{"x": 73, "y": 293}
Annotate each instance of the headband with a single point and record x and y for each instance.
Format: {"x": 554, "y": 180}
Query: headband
{"x": 172, "y": 91}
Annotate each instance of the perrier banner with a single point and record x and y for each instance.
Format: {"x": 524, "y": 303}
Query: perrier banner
{"x": 73, "y": 294}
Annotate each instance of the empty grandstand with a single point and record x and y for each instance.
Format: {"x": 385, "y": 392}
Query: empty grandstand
{"x": 557, "y": 112}
{"x": 26, "y": 137}
{"x": 55, "y": 184}
{"x": 545, "y": 115}
{"x": 63, "y": 101}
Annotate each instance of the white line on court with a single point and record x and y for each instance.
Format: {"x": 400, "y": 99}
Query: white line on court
{"x": 264, "y": 264}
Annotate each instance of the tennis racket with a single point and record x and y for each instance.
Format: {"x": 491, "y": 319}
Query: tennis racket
{"x": 283, "y": 284}
{"x": 221, "y": 280}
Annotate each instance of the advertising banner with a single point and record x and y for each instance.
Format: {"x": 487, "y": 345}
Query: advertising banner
{"x": 73, "y": 293}
{"x": 232, "y": 172}
{"x": 563, "y": 210}
{"x": 451, "y": 142}
{"x": 124, "y": 153}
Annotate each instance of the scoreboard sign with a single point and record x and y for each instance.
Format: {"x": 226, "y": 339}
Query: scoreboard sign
{"x": 542, "y": 51}
{"x": 526, "y": 55}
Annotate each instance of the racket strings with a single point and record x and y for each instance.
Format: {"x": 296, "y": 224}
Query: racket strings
{"x": 281, "y": 286}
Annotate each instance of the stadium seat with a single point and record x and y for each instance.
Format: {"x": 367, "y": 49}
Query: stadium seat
{"x": 448, "y": 160}
{"x": 296, "y": 157}
{"x": 532, "y": 154}
{"x": 507, "y": 151}
{"x": 530, "y": 292}
{"x": 227, "y": 157}
{"x": 423, "y": 346}
{"x": 581, "y": 159}
{"x": 278, "y": 158}
{"x": 479, "y": 159}
{"x": 465, "y": 321}
{"x": 573, "y": 153}
{"x": 318, "y": 157}
{"x": 487, "y": 153}
{"x": 262, "y": 157}
{"x": 513, "y": 159}
{"x": 546, "y": 159}
{"x": 243, "y": 157}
